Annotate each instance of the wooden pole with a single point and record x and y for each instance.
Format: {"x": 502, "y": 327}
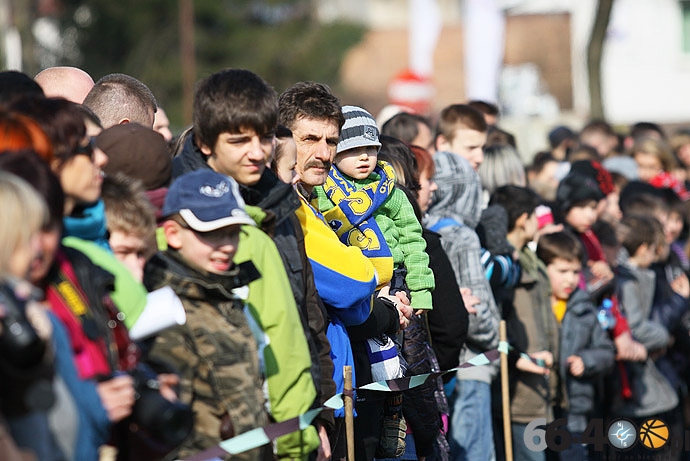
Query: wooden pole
{"x": 187, "y": 57}
{"x": 349, "y": 414}
{"x": 505, "y": 395}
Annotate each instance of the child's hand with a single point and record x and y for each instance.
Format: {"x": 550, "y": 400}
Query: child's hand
{"x": 600, "y": 270}
{"x": 546, "y": 356}
{"x": 529, "y": 366}
{"x": 681, "y": 286}
{"x": 548, "y": 229}
{"x": 576, "y": 366}
{"x": 402, "y": 296}
{"x": 629, "y": 349}
{"x": 469, "y": 299}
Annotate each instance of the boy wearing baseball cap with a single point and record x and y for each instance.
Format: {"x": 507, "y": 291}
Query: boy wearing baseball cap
{"x": 215, "y": 352}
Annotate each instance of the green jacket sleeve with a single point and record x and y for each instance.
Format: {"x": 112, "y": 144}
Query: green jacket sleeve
{"x": 419, "y": 278}
{"x": 129, "y": 295}
{"x": 291, "y": 389}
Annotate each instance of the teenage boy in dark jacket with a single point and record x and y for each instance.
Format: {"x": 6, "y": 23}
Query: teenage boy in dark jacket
{"x": 235, "y": 117}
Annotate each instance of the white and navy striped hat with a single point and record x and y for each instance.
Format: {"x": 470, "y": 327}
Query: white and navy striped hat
{"x": 359, "y": 130}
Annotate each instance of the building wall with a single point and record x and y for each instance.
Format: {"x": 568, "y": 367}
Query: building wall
{"x": 370, "y": 66}
{"x": 646, "y": 72}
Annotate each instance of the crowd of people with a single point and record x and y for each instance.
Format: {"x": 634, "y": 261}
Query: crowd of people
{"x": 299, "y": 236}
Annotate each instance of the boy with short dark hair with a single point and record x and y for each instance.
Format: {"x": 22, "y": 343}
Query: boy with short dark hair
{"x": 652, "y": 394}
{"x": 639, "y": 237}
{"x": 586, "y": 352}
{"x": 462, "y": 130}
{"x": 530, "y": 322}
{"x": 235, "y": 118}
{"x": 215, "y": 351}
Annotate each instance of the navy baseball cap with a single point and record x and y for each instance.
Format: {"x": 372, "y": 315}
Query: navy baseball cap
{"x": 206, "y": 200}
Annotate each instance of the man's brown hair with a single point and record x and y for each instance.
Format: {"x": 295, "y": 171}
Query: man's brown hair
{"x": 459, "y": 116}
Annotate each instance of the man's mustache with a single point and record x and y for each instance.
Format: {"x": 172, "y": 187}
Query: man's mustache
{"x": 317, "y": 164}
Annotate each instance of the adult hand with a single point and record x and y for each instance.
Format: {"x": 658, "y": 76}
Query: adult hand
{"x": 404, "y": 313}
{"x": 37, "y": 314}
{"x": 167, "y": 383}
{"x": 404, "y": 309}
{"x": 117, "y": 397}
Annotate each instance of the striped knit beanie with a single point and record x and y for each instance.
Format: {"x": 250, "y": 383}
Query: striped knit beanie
{"x": 359, "y": 130}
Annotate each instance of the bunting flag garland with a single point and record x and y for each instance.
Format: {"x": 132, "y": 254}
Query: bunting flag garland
{"x": 264, "y": 435}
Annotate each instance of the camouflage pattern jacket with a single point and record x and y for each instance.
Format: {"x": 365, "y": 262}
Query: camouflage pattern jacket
{"x": 215, "y": 352}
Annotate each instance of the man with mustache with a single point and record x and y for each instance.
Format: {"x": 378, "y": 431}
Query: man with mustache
{"x": 345, "y": 279}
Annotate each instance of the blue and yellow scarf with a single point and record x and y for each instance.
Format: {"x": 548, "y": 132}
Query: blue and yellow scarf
{"x": 352, "y": 217}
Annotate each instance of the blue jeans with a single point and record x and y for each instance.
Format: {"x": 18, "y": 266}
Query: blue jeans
{"x": 471, "y": 434}
{"x": 520, "y": 450}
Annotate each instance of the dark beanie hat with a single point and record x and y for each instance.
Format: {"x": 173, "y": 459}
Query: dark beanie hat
{"x": 560, "y": 134}
{"x": 138, "y": 152}
{"x": 636, "y": 188}
{"x": 576, "y": 188}
{"x": 596, "y": 171}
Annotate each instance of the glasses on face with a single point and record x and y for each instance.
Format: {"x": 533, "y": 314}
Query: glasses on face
{"x": 88, "y": 149}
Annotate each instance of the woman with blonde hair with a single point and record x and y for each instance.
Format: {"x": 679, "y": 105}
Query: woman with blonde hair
{"x": 26, "y": 366}
{"x": 502, "y": 166}
{"x": 20, "y": 204}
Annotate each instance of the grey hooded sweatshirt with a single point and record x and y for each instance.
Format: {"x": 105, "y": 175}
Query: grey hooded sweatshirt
{"x": 454, "y": 213}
